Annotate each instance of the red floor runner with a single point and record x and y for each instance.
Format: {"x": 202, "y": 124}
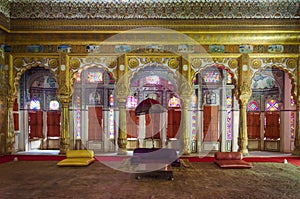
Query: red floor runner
{"x": 8, "y": 158}
{"x": 292, "y": 160}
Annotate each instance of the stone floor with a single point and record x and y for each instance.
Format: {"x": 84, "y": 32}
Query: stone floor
{"x": 43, "y": 179}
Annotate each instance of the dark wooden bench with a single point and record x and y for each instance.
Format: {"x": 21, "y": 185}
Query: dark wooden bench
{"x": 155, "y": 155}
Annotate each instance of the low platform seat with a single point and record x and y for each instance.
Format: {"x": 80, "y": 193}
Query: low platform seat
{"x": 78, "y": 158}
{"x": 231, "y": 160}
{"x": 155, "y": 155}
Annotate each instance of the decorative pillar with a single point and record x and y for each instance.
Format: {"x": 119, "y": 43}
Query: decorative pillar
{"x": 65, "y": 133}
{"x": 184, "y": 130}
{"x": 122, "y": 92}
{"x": 245, "y": 75}
{"x": 243, "y": 135}
{"x": 10, "y": 136}
{"x": 64, "y": 95}
{"x": 185, "y": 91}
{"x": 297, "y": 130}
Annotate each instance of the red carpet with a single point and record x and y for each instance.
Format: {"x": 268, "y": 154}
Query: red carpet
{"x": 8, "y": 158}
{"x": 292, "y": 160}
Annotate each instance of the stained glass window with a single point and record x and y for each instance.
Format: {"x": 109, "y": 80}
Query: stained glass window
{"x": 194, "y": 125}
{"x": 272, "y": 105}
{"x": 253, "y": 106}
{"x": 195, "y": 80}
{"x": 229, "y": 118}
{"x": 152, "y": 80}
{"x": 211, "y": 77}
{"x": 95, "y": 77}
{"x": 194, "y": 101}
{"x": 35, "y": 104}
{"x": 78, "y": 117}
{"x": 174, "y": 101}
{"x": 131, "y": 102}
{"x": 78, "y": 77}
{"x": 54, "y": 105}
{"x": 292, "y": 125}
{"x": 292, "y": 101}
{"x": 111, "y": 100}
{"x": 111, "y": 124}
{"x": 229, "y": 78}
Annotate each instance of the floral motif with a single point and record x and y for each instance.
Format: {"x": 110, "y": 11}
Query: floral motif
{"x": 145, "y": 9}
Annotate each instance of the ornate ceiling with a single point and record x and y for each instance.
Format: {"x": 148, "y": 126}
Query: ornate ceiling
{"x": 150, "y": 9}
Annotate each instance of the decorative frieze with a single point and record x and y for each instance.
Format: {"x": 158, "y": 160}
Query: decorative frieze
{"x": 145, "y": 9}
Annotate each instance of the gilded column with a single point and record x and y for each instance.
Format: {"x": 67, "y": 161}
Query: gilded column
{"x": 10, "y": 136}
{"x": 297, "y": 130}
{"x": 65, "y": 133}
{"x": 184, "y": 122}
{"x": 185, "y": 92}
{"x": 63, "y": 94}
{"x": 244, "y": 96}
{"x": 122, "y": 92}
{"x": 243, "y": 135}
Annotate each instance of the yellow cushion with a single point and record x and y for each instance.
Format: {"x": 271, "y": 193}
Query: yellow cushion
{"x": 80, "y": 154}
{"x": 76, "y": 162}
{"x": 78, "y": 158}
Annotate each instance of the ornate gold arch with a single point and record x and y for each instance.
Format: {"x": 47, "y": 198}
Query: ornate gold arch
{"x": 19, "y": 64}
{"x": 286, "y": 62}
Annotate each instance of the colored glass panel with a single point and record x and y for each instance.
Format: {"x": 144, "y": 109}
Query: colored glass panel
{"x": 54, "y": 105}
{"x": 78, "y": 77}
{"x": 111, "y": 124}
{"x": 78, "y": 117}
{"x": 131, "y": 102}
{"x": 292, "y": 101}
{"x": 111, "y": 100}
{"x": 292, "y": 125}
{"x": 174, "y": 102}
{"x": 272, "y": 105}
{"x": 95, "y": 77}
{"x": 35, "y": 104}
{"x": 229, "y": 78}
{"x": 211, "y": 77}
{"x": 194, "y": 101}
{"x": 229, "y": 118}
{"x": 253, "y": 106}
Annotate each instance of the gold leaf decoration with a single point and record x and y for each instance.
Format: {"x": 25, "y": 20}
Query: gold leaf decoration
{"x": 233, "y": 63}
{"x": 74, "y": 63}
{"x": 111, "y": 63}
{"x": 256, "y": 63}
{"x": 291, "y": 63}
{"x": 133, "y": 62}
{"x": 18, "y": 63}
{"x": 196, "y": 63}
{"x": 173, "y": 63}
{"x": 53, "y": 63}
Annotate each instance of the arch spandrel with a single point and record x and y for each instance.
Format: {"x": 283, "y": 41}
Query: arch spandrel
{"x": 167, "y": 65}
{"x": 20, "y": 64}
{"x": 285, "y": 62}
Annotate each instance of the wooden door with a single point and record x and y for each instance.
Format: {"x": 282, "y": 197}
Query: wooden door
{"x": 53, "y": 124}
{"x": 16, "y": 115}
{"x": 211, "y": 123}
{"x": 132, "y": 124}
{"x": 95, "y": 123}
{"x": 35, "y": 124}
{"x": 253, "y": 125}
{"x": 174, "y": 119}
{"x": 272, "y": 125}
